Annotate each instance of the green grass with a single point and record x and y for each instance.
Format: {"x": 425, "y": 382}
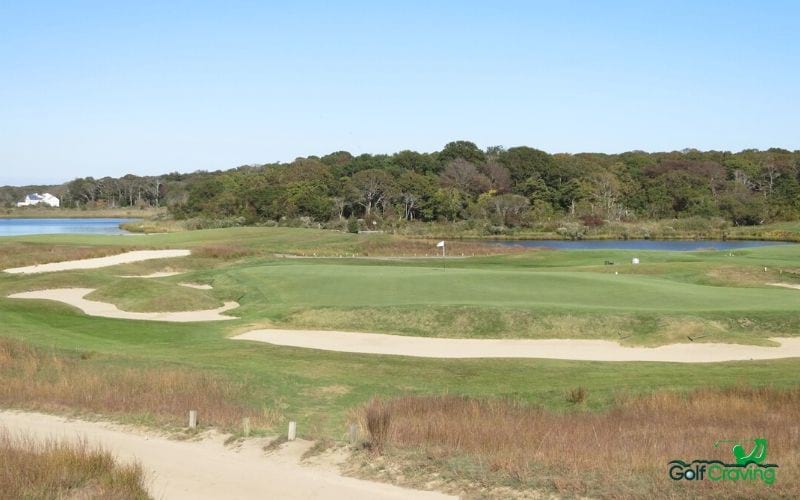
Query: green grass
{"x": 536, "y": 294}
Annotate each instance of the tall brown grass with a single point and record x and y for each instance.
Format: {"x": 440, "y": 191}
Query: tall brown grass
{"x": 620, "y": 453}
{"x": 36, "y": 379}
{"x": 58, "y": 469}
{"x": 223, "y": 252}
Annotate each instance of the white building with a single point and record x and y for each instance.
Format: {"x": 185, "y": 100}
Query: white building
{"x": 36, "y": 198}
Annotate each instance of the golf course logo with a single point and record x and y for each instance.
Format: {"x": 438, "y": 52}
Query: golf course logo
{"x": 749, "y": 466}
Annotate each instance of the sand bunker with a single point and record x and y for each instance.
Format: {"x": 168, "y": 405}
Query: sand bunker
{"x": 785, "y": 285}
{"x": 75, "y": 297}
{"x": 568, "y": 349}
{"x": 198, "y": 286}
{"x": 112, "y": 260}
{"x": 157, "y": 274}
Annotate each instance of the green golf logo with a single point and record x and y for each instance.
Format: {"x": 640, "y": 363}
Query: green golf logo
{"x": 749, "y": 466}
{"x": 756, "y": 455}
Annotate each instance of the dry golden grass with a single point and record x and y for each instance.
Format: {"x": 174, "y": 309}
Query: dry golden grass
{"x": 54, "y": 469}
{"x": 621, "y": 453}
{"x": 224, "y": 252}
{"x": 34, "y": 379}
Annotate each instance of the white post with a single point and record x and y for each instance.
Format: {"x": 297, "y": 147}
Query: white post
{"x": 292, "y": 431}
{"x": 353, "y": 434}
{"x": 246, "y": 426}
{"x": 192, "y": 419}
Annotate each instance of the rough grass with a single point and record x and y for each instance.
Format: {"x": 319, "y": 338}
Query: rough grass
{"x": 620, "y": 453}
{"x": 484, "y": 322}
{"x": 57, "y": 469}
{"x": 33, "y": 378}
{"x": 148, "y": 295}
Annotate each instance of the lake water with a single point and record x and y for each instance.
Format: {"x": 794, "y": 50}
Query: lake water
{"x": 672, "y": 245}
{"x": 18, "y": 227}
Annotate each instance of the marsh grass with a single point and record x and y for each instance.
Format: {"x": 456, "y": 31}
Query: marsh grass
{"x": 620, "y": 453}
{"x": 33, "y": 378}
{"x": 59, "y": 469}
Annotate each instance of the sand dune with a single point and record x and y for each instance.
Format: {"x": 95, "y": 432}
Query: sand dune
{"x": 567, "y": 349}
{"x": 112, "y": 260}
{"x": 75, "y": 297}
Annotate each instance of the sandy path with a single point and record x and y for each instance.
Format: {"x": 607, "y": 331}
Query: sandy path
{"x": 75, "y": 297}
{"x": 569, "y": 349}
{"x": 112, "y": 260}
{"x": 207, "y": 468}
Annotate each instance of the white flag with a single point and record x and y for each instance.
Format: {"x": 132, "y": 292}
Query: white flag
{"x": 440, "y": 244}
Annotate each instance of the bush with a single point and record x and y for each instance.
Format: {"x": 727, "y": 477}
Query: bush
{"x": 378, "y": 419}
{"x": 352, "y": 225}
{"x": 577, "y": 395}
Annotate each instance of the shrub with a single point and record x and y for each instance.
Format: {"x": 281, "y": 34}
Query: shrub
{"x": 577, "y": 395}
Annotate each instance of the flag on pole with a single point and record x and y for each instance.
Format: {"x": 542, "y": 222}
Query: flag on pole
{"x": 440, "y": 244}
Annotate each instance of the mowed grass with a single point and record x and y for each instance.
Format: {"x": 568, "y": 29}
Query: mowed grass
{"x": 536, "y": 294}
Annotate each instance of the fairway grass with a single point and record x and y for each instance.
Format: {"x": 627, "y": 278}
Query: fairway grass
{"x": 539, "y": 294}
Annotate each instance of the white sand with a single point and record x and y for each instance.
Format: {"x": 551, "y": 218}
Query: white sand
{"x": 207, "y": 469}
{"x": 75, "y": 297}
{"x": 785, "y": 285}
{"x": 112, "y": 260}
{"x": 569, "y": 349}
{"x": 198, "y": 286}
{"x": 157, "y": 274}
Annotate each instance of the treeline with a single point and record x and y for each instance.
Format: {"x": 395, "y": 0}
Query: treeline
{"x": 514, "y": 187}
{"x": 507, "y": 187}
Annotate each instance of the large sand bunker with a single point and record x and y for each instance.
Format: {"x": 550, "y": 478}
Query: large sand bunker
{"x": 112, "y": 260}
{"x": 568, "y": 349}
{"x": 75, "y": 297}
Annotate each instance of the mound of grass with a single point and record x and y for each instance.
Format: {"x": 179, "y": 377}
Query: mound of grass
{"x": 147, "y": 295}
{"x": 33, "y": 378}
{"x": 56, "y": 469}
{"x": 619, "y": 453}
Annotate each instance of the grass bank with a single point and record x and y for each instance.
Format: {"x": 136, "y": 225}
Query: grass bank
{"x": 622, "y": 452}
{"x": 85, "y": 382}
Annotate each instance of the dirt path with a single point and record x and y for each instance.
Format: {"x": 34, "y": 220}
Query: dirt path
{"x": 75, "y": 298}
{"x": 208, "y": 469}
{"x": 569, "y": 349}
{"x": 112, "y": 260}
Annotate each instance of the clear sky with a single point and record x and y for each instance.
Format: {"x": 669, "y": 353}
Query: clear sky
{"x": 97, "y": 88}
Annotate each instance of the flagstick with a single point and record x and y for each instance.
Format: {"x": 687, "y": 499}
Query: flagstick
{"x": 444, "y": 260}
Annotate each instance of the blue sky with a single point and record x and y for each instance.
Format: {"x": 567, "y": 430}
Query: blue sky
{"x": 95, "y": 88}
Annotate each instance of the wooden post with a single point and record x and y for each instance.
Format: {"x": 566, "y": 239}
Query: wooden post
{"x": 192, "y": 419}
{"x": 292, "y": 431}
{"x": 353, "y": 434}
{"x": 246, "y": 426}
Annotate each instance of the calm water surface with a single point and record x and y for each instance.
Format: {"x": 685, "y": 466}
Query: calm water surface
{"x": 17, "y": 227}
{"x": 673, "y": 245}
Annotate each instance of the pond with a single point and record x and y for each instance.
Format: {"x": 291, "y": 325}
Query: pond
{"x": 671, "y": 245}
{"x": 18, "y": 227}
